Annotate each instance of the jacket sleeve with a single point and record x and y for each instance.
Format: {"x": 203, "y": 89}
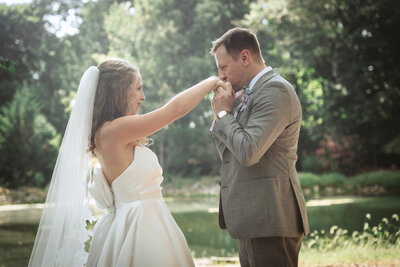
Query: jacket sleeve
{"x": 270, "y": 114}
{"x": 219, "y": 144}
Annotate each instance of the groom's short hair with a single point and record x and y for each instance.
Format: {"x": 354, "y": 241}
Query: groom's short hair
{"x": 236, "y": 40}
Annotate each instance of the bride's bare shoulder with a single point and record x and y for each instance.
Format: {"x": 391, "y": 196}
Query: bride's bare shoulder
{"x": 127, "y": 129}
{"x": 109, "y": 128}
{"x": 112, "y": 132}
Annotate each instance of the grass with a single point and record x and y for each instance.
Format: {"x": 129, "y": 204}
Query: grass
{"x": 374, "y": 245}
{"x": 377, "y": 245}
{"x": 351, "y": 255}
{"x": 343, "y": 255}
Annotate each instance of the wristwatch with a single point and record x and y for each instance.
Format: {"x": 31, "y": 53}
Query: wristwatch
{"x": 223, "y": 113}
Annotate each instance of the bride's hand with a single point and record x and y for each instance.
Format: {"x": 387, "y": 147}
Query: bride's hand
{"x": 215, "y": 83}
{"x": 224, "y": 88}
{"x": 220, "y": 84}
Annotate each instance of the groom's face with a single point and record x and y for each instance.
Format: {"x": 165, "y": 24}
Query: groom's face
{"x": 229, "y": 70}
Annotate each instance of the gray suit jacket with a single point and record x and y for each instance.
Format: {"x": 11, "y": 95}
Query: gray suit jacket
{"x": 260, "y": 192}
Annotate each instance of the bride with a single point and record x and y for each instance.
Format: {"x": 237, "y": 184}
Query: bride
{"x": 137, "y": 229}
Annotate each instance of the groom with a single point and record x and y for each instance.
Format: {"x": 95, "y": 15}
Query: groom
{"x": 261, "y": 201}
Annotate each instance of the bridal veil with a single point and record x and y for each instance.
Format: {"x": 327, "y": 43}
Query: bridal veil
{"x": 61, "y": 236}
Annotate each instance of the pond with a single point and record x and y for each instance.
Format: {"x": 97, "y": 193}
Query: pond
{"x": 198, "y": 219}
{"x": 205, "y": 238}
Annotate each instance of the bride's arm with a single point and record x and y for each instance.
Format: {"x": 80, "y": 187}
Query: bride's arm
{"x": 127, "y": 129}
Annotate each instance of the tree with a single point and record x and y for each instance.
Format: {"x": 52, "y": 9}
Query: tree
{"x": 28, "y": 142}
{"x": 32, "y": 68}
{"x": 21, "y": 33}
{"x": 351, "y": 49}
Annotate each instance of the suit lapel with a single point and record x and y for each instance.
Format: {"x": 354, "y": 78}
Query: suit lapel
{"x": 263, "y": 79}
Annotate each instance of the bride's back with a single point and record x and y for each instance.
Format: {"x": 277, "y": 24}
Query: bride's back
{"x": 113, "y": 157}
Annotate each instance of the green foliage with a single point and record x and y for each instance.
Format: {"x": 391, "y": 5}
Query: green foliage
{"x": 387, "y": 179}
{"x": 390, "y": 180}
{"x": 311, "y": 164}
{"x": 28, "y": 142}
{"x": 385, "y": 234}
{"x": 308, "y": 180}
{"x": 393, "y": 146}
{"x": 332, "y": 179}
{"x": 31, "y": 54}
{"x": 311, "y": 95}
{"x": 20, "y": 38}
{"x": 190, "y": 150}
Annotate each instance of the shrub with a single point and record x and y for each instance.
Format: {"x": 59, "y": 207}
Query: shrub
{"x": 28, "y": 142}
{"x": 387, "y": 179}
{"x": 308, "y": 180}
{"x": 332, "y": 179}
{"x": 311, "y": 164}
{"x": 340, "y": 154}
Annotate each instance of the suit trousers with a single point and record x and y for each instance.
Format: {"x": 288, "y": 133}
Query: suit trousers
{"x": 269, "y": 251}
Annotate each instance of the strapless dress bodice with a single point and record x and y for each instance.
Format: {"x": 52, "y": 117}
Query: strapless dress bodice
{"x": 140, "y": 180}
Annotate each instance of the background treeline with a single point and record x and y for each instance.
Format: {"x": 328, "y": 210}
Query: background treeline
{"x": 341, "y": 56}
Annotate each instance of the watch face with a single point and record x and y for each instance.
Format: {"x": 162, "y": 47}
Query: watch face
{"x": 222, "y": 113}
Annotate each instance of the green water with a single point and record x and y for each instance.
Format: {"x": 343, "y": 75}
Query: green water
{"x": 205, "y": 238}
{"x": 199, "y": 222}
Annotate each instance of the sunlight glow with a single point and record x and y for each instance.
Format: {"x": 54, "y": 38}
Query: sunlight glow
{"x": 329, "y": 202}
{"x": 56, "y": 25}
{"x": 14, "y": 2}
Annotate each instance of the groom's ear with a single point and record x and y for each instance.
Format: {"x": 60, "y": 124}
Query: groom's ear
{"x": 245, "y": 56}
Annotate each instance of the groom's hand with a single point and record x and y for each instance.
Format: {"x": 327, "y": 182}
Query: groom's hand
{"x": 224, "y": 99}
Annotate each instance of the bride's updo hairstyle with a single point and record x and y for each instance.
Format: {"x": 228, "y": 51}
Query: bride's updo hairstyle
{"x": 115, "y": 77}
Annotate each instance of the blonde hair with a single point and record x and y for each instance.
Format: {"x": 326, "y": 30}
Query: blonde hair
{"x": 110, "y": 103}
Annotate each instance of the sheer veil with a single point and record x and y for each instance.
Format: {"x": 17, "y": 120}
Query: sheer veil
{"x": 62, "y": 230}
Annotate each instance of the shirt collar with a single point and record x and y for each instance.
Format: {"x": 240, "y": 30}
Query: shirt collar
{"x": 255, "y": 79}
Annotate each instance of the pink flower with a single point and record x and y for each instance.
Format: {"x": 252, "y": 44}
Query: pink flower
{"x": 242, "y": 96}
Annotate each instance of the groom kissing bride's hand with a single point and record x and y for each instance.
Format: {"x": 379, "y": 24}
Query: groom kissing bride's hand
{"x": 223, "y": 100}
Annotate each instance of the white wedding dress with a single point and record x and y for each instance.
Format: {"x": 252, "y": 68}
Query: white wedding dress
{"x": 138, "y": 229}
